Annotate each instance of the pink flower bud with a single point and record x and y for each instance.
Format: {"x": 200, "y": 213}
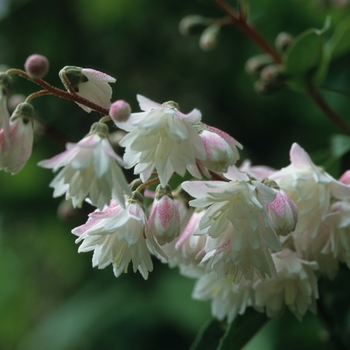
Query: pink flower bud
{"x": 164, "y": 219}
{"x": 345, "y": 178}
{"x": 120, "y": 111}
{"x": 15, "y": 151}
{"x": 283, "y": 214}
{"x": 36, "y": 66}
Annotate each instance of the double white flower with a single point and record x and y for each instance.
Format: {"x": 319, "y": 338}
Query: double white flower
{"x": 163, "y": 139}
{"x": 117, "y": 237}
{"x": 90, "y": 170}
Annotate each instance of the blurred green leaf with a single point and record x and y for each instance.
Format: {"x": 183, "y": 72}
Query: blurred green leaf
{"x": 340, "y": 144}
{"x": 210, "y": 335}
{"x": 218, "y": 335}
{"x": 339, "y": 43}
{"x": 242, "y": 329}
{"x": 307, "y": 58}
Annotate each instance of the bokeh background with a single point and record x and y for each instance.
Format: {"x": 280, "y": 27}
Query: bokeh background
{"x": 50, "y": 297}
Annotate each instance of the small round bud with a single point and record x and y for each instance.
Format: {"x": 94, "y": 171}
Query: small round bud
{"x": 192, "y": 24}
{"x": 208, "y": 39}
{"x": 283, "y": 41}
{"x": 272, "y": 74}
{"x": 256, "y": 63}
{"x": 120, "y": 111}
{"x": 36, "y": 66}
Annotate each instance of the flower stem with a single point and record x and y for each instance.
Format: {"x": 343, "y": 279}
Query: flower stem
{"x": 321, "y": 103}
{"x": 71, "y": 96}
{"x": 241, "y": 23}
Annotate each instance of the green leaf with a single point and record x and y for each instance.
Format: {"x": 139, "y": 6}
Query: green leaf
{"x": 218, "y": 335}
{"x": 339, "y": 43}
{"x": 210, "y": 335}
{"x": 242, "y": 329}
{"x": 307, "y": 58}
{"x": 340, "y": 144}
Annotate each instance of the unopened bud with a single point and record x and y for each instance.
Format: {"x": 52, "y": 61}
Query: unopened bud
{"x": 23, "y": 110}
{"x": 272, "y": 74}
{"x": 36, "y": 66}
{"x": 192, "y": 24}
{"x": 208, "y": 39}
{"x": 74, "y": 75}
{"x": 120, "y": 111}
{"x": 256, "y": 63}
{"x": 5, "y": 83}
{"x": 164, "y": 218}
{"x": 283, "y": 40}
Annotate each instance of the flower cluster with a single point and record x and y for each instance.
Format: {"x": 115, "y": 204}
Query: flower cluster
{"x": 251, "y": 236}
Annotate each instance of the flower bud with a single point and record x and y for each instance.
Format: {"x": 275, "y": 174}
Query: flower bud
{"x": 164, "y": 219}
{"x": 89, "y": 84}
{"x": 345, "y": 178}
{"x": 219, "y": 153}
{"x": 120, "y": 111}
{"x": 5, "y": 83}
{"x": 283, "y": 214}
{"x": 36, "y": 66}
{"x": 192, "y": 24}
{"x": 256, "y": 63}
{"x": 208, "y": 39}
{"x": 283, "y": 41}
{"x": 15, "y": 151}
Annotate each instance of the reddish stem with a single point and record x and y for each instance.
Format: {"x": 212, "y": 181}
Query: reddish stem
{"x": 71, "y": 96}
{"x": 247, "y": 29}
{"x": 321, "y": 103}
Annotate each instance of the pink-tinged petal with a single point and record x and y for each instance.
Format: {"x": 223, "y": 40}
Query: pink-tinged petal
{"x": 299, "y": 158}
{"x": 193, "y": 117}
{"x": 146, "y": 104}
{"x": 345, "y": 178}
{"x": 95, "y": 75}
{"x": 90, "y": 141}
{"x": 224, "y": 135}
{"x": 340, "y": 190}
{"x": 58, "y": 161}
{"x": 234, "y": 174}
{"x": 200, "y": 188}
{"x": 131, "y": 123}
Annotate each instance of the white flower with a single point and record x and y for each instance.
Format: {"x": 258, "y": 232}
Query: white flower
{"x": 237, "y": 220}
{"x": 90, "y": 170}
{"x": 318, "y": 249}
{"x": 259, "y": 172}
{"x": 162, "y": 138}
{"x": 227, "y": 299}
{"x": 88, "y": 83}
{"x": 295, "y": 287}
{"x": 117, "y": 237}
{"x": 17, "y": 148}
{"x": 310, "y": 188}
{"x": 338, "y": 222}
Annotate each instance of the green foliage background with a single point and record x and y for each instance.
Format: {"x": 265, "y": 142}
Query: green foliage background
{"x": 50, "y": 297}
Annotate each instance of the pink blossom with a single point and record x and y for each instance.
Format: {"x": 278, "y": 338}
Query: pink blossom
{"x": 17, "y": 148}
